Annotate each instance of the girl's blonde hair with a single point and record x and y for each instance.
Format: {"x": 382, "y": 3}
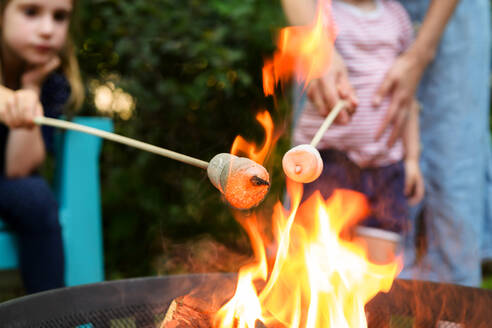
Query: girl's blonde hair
{"x": 69, "y": 66}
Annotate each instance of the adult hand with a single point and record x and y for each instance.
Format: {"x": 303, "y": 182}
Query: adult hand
{"x": 34, "y": 76}
{"x": 21, "y": 107}
{"x": 400, "y": 83}
{"x": 327, "y": 90}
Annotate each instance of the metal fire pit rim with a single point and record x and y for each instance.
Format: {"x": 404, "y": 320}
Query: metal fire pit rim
{"x": 111, "y": 295}
{"x": 431, "y": 302}
{"x": 83, "y": 302}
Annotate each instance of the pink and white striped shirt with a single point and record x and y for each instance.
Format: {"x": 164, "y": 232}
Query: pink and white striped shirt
{"x": 369, "y": 43}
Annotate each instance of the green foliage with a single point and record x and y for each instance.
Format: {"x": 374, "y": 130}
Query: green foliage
{"x": 194, "y": 68}
{"x": 487, "y": 282}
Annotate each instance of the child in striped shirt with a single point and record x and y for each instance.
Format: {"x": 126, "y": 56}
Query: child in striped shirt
{"x": 371, "y": 35}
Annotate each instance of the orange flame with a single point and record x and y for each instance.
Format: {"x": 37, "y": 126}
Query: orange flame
{"x": 318, "y": 279}
{"x": 302, "y": 50}
{"x": 240, "y": 145}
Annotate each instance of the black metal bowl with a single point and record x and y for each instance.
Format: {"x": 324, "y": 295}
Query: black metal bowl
{"x": 143, "y": 302}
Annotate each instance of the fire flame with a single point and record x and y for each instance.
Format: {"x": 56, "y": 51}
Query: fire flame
{"x": 317, "y": 278}
{"x": 240, "y": 145}
{"x": 304, "y": 51}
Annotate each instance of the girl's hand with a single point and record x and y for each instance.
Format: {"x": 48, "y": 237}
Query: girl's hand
{"x": 400, "y": 83}
{"x": 21, "y": 107}
{"x": 414, "y": 182}
{"x": 34, "y": 76}
{"x": 327, "y": 90}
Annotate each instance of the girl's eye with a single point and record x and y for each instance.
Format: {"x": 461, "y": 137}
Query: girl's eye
{"x": 31, "y": 11}
{"x": 61, "y": 15}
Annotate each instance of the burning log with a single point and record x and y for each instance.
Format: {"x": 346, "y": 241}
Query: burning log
{"x": 192, "y": 312}
{"x": 188, "y": 311}
{"x": 303, "y": 163}
{"x": 243, "y": 182}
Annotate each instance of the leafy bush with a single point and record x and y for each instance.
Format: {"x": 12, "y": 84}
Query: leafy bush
{"x": 194, "y": 68}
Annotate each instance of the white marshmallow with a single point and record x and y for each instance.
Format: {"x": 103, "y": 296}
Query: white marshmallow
{"x": 302, "y": 163}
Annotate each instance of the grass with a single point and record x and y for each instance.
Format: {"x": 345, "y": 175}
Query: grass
{"x": 487, "y": 282}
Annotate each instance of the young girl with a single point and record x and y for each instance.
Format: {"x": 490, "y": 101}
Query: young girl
{"x": 39, "y": 74}
{"x": 371, "y": 35}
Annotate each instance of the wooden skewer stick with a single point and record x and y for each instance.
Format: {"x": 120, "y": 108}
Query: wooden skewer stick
{"x": 303, "y": 163}
{"x": 243, "y": 182}
{"x": 327, "y": 122}
{"x": 41, "y": 120}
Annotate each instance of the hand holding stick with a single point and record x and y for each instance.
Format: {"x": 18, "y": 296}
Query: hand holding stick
{"x": 243, "y": 182}
{"x": 303, "y": 163}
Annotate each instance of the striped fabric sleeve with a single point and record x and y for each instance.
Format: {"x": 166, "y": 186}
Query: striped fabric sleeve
{"x": 406, "y": 27}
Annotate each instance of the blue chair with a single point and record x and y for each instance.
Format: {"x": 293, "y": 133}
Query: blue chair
{"x": 77, "y": 188}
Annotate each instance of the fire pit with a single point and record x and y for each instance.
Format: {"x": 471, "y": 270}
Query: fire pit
{"x": 143, "y": 302}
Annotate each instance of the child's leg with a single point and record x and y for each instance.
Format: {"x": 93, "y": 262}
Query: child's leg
{"x": 381, "y": 231}
{"x": 29, "y": 207}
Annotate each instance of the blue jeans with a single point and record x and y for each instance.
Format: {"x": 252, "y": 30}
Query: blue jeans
{"x": 455, "y": 160}
{"x": 29, "y": 208}
{"x": 383, "y": 187}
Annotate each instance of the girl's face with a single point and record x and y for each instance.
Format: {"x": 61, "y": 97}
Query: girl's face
{"x": 35, "y": 30}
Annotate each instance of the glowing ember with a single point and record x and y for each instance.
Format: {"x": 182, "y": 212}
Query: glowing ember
{"x": 247, "y": 186}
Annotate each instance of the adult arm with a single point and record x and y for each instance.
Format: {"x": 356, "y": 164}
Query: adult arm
{"x": 326, "y": 91}
{"x": 403, "y": 78}
{"x": 299, "y": 12}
